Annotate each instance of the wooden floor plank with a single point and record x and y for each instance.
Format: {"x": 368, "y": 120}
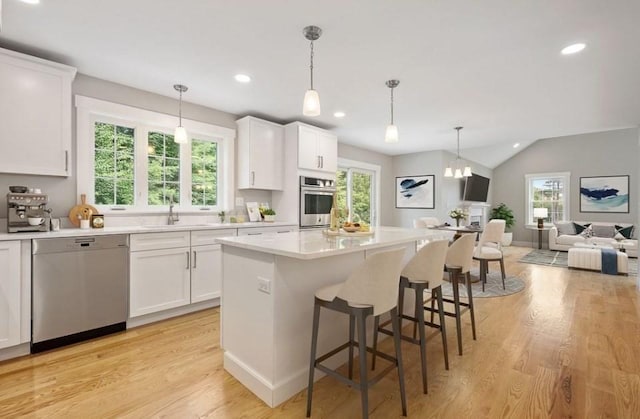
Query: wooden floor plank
{"x": 566, "y": 346}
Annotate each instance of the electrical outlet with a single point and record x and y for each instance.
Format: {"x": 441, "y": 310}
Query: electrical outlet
{"x": 239, "y": 201}
{"x": 264, "y": 285}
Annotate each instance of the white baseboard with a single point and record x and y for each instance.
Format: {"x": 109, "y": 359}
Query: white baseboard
{"x": 15, "y": 351}
{"x": 174, "y": 312}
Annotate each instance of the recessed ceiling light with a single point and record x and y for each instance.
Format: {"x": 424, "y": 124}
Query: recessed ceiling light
{"x": 242, "y": 78}
{"x": 516, "y": 145}
{"x": 572, "y": 49}
{"x": 31, "y": 1}
{"x": 339, "y": 114}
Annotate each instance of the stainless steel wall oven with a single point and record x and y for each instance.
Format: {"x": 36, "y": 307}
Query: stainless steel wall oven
{"x": 316, "y": 200}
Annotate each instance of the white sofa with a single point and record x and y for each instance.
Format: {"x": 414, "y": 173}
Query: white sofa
{"x": 565, "y": 242}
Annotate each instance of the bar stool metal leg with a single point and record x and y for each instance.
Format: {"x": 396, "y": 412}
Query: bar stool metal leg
{"x": 376, "y": 324}
{"x": 453, "y": 274}
{"x": 397, "y": 332}
{"x": 471, "y": 311}
{"x": 314, "y": 346}
{"x": 352, "y": 324}
{"x": 419, "y": 292}
{"x": 443, "y": 330}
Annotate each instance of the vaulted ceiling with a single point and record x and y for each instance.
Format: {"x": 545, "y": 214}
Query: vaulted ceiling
{"x": 493, "y": 66}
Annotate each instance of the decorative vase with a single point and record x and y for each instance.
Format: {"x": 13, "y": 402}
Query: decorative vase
{"x": 269, "y": 218}
{"x": 457, "y": 222}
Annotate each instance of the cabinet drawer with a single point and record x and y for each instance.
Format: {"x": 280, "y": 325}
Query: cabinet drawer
{"x": 161, "y": 240}
{"x": 206, "y": 237}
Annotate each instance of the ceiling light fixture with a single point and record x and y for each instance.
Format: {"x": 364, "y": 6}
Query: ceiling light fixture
{"x": 339, "y": 114}
{"x": 391, "y": 134}
{"x": 516, "y": 145}
{"x": 311, "y": 104}
{"x": 180, "y": 136}
{"x": 31, "y": 1}
{"x": 458, "y": 172}
{"x": 242, "y": 78}
{"x": 572, "y": 49}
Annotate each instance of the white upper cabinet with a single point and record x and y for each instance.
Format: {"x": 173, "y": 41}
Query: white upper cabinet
{"x": 35, "y": 115}
{"x": 317, "y": 149}
{"x": 260, "y": 154}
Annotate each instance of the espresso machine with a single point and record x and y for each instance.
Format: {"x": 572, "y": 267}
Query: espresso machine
{"x": 27, "y": 211}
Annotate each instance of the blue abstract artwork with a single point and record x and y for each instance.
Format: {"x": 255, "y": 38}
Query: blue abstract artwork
{"x": 415, "y": 191}
{"x": 604, "y": 194}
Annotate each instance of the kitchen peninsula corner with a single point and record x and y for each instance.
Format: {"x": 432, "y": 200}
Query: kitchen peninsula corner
{"x": 268, "y": 284}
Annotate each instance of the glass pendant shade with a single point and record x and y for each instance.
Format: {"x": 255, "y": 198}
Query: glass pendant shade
{"x": 311, "y": 104}
{"x": 391, "y": 135}
{"x": 458, "y": 174}
{"x": 181, "y": 136}
{"x": 448, "y": 172}
{"x": 467, "y": 171}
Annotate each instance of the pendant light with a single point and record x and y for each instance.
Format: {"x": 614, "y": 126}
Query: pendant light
{"x": 180, "y": 136}
{"x": 311, "y": 103}
{"x": 457, "y": 172}
{"x": 391, "y": 134}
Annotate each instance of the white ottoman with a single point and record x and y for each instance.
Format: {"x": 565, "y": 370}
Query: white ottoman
{"x": 586, "y": 258}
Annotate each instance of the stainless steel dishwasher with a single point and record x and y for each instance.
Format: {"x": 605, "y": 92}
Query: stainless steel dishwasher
{"x": 79, "y": 287}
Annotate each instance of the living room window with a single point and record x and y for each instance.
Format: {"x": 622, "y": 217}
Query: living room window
{"x": 129, "y": 160}
{"x": 550, "y": 191}
{"x": 357, "y": 189}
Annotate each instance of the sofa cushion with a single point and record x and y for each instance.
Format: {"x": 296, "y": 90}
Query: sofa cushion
{"x": 569, "y": 239}
{"x": 565, "y": 227}
{"x": 587, "y": 233}
{"x": 580, "y": 227}
{"x": 602, "y": 230}
{"x": 627, "y": 232}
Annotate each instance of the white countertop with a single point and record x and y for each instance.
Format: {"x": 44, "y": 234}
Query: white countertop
{"x": 313, "y": 244}
{"x": 77, "y": 232}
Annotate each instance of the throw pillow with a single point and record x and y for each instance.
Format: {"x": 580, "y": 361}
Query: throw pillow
{"x": 565, "y": 227}
{"x": 587, "y": 233}
{"x": 580, "y": 228}
{"x": 604, "y": 231}
{"x": 627, "y": 232}
{"x": 619, "y": 236}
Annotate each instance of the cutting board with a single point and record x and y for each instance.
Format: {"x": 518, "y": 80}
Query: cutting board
{"x": 84, "y": 210}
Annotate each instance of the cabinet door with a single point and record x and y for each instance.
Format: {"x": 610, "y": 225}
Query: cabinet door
{"x": 328, "y": 151}
{"x": 260, "y": 154}
{"x": 9, "y": 293}
{"x": 159, "y": 280}
{"x": 308, "y": 157}
{"x": 35, "y": 115}
{"x": 206, "y": 272}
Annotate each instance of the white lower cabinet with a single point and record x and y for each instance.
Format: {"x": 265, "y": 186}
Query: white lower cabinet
{"x": 159, "y": 280}
{"x": 10, "y": 306}
{"x": 174, "y": 269}
{"x": 206, "y": 272}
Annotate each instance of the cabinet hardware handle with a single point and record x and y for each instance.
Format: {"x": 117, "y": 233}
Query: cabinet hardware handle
{"x": 318, "y": 162}
{"x": 188, "y": 260}
{"x": 253, "y": 178}
{"x": 195, "y": 260}
{"x": 322, "y": 162}
{"x": 253, "y": 234}
{"x": 66, "y": 161}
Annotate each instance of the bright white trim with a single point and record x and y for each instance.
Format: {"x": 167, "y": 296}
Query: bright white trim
{"x": 376, "y": 169}
{"x": 529, "y": 193}
{"x": 90, "y": 110}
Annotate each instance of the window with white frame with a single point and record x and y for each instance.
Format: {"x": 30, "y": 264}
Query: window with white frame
{"x": 549, "y": 191}
{"x": 357, "y": 185}
{"x": 129, "y": 161}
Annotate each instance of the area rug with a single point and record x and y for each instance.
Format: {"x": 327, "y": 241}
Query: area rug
{"x": 559, "y": 259}
{"x": 493, "y": 287}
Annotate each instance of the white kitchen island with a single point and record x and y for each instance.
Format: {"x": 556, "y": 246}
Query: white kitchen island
{"x": 268, "y": 290}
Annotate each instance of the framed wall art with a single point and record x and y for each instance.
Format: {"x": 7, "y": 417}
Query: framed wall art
{"x": 415, "y": 191}
{"x": 604, "y": 194}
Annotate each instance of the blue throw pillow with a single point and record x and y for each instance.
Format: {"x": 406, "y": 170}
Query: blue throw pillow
{"x": 627, "y": 232}
{"x": 580, "y": 228}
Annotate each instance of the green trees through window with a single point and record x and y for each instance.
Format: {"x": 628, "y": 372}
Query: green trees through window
{"x": 355, "y": 192}
{"x": 114, "y": 164}
{"x": 163, "y": 156}
{"x": 204, "y": 172}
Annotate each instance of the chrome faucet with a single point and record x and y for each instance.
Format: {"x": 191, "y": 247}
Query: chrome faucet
{"x": 173, "y": 218}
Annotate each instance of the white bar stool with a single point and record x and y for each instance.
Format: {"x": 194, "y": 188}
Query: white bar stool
{"x": 371, "y": 290}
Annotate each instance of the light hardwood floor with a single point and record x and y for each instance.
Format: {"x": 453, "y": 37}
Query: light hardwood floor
{"x": 566, "y": 346}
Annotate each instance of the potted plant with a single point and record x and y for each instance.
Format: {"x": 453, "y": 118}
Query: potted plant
{"x": 503, "y": 212}
{"x": 269, "y": 215}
